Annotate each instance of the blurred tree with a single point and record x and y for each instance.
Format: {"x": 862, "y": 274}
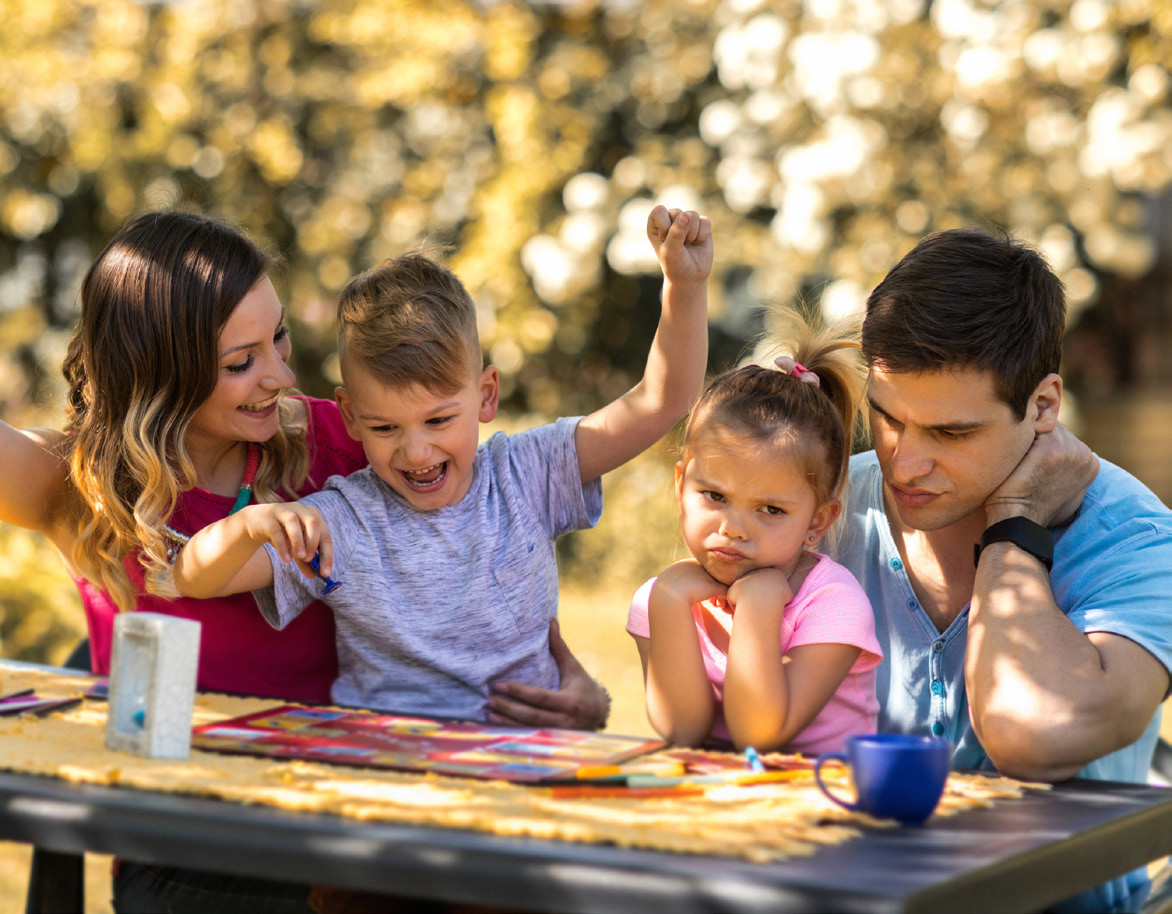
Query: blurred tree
{"x": 822, "y": 138}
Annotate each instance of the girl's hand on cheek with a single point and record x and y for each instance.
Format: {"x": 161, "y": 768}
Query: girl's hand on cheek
{"x": 687, "y": 583}
{"x": 760, "y": 590}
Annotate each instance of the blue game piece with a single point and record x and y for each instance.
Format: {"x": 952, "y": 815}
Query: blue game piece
{"x": 331, "y": 584}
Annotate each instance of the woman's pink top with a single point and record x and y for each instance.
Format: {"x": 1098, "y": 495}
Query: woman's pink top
{"x": 829, "y": 608}
{"x": 239, "y": 651}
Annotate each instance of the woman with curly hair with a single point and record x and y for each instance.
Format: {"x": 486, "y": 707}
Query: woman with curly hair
{"x": 179, "y": 412}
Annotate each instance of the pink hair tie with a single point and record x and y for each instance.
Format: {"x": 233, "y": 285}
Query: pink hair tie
{"x": 797, "y": 370}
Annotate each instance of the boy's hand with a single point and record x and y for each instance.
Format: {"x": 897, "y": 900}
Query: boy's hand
{"x": 295, "y": 530}
{"x": 683, "y": 244}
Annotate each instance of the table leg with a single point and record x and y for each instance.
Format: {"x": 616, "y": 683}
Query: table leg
{"x": 56, "y": 883}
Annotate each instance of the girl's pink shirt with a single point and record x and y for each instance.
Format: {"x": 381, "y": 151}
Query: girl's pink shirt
{"x": 829, "y": 608}
{"x": 239, "y": 651}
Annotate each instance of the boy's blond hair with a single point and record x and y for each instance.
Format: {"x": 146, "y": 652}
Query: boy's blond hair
{"x": 409, "y": 321}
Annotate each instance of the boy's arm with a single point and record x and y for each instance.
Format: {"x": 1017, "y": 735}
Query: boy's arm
{"x": 226, "y": 557}
{"x": 608, "y": 438}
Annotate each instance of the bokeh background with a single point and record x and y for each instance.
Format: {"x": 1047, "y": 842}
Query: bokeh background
{"x": 823, "y": 139}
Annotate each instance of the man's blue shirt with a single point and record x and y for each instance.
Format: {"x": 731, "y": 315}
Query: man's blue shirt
{"x": 1112, "y": 573}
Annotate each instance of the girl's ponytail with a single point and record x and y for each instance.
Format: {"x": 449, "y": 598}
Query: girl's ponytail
{"x": 830, "y": 351}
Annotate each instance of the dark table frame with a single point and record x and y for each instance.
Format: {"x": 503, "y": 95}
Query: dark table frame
{"x": 1018, "y": 856}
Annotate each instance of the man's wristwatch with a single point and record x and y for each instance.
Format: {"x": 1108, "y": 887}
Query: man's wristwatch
{"x": 1023, "y": 533}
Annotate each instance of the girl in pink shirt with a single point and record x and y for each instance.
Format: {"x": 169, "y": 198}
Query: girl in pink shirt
{"x": 757, "y": 639}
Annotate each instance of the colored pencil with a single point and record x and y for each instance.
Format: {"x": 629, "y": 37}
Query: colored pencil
{"x": 724, "y": 777}
{"x": 589, "y": 792}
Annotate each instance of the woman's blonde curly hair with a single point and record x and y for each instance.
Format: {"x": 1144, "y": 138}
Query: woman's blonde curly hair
{"x": 142, "y": 361}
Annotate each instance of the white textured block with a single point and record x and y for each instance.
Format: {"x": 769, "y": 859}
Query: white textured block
{"x": 152, "y": 684}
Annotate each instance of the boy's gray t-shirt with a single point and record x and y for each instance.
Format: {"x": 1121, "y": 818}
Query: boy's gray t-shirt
{"x": 436, "y": 606}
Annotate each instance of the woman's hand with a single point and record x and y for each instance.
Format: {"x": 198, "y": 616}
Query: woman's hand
{"x": 580, "y": 704}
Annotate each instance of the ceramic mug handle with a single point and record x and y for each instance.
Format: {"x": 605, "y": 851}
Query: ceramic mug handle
{"x": 822, "y": 760}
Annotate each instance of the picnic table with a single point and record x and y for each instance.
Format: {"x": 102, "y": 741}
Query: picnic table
{"x": 1018, "y": 855}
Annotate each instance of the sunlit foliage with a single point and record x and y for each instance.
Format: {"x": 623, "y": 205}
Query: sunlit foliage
{"x": 822, "y": 137}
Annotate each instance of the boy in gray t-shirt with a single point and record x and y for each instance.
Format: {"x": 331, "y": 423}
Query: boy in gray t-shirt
{"x": 445, "y": 546}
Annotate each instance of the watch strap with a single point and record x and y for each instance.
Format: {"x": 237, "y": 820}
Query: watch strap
{"x": 1023, "y": 533}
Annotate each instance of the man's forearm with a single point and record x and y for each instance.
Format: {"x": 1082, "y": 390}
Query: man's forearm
{"x": 1042, "y": 700}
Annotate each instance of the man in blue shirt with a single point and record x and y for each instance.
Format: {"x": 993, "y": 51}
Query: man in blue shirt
{"x": 1046, "y": 654}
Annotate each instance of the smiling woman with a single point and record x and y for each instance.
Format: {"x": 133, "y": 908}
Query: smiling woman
{"x": 254, "y": 348}
{"x": 178, "y": 416}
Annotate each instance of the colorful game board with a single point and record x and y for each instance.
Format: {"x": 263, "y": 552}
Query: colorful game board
{"x": 376, "y": 740}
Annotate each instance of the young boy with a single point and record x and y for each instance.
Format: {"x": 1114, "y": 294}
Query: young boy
{"x": 445, "y": 550}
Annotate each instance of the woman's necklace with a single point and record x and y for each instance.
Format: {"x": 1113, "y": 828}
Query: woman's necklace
{"x": 176, "y": 540}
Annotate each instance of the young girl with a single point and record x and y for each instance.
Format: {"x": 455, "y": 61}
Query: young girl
{"x": 757, "y": 638}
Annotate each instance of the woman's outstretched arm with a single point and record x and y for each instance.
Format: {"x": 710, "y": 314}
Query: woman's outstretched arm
{"x": 34, "y": 483}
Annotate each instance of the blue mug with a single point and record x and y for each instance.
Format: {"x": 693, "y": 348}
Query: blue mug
{"x": 896, "y": 776}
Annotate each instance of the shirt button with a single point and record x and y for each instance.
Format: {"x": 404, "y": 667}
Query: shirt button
{"x": 911, "y": 604}
{"x": 896, "y": 564}
{"x": 937, "y": 646}
{"x": 937, "y": 687}
{"x": 937, "y": 729}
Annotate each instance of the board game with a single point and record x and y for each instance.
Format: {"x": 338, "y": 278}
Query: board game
{"x": 372, "y": 739}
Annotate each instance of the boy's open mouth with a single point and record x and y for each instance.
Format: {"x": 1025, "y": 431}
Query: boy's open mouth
{"x": 428, "y": 479}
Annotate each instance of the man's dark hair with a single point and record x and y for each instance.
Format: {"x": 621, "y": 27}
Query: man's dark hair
{"x": 965, "y": 299}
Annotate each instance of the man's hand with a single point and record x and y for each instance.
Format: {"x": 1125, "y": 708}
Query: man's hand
{"x": 580, "y": 704}
{"x": 1049, "y": 484}
{"x": 683, "y": 244}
